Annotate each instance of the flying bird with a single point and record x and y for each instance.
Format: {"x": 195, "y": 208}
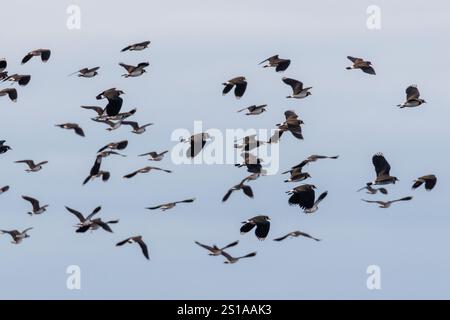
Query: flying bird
{"x": 382, "y": 169}
{"x": 119, "y": 145}
{"x": 96, "y": 172}
{"x": 170, "y": 205}
{"x": 107, "y": 153}
{"x": 296, "y": 234}
{"x": 37, "y": 208}
{"x": 254, "y": 109}
{"x": 292, "y": 124}
{"x": 10, "y": 92}
{"x": 298, "y": 92}
{"x": 21, "y": 79}
{"x": 134, "y": 71}
{"x": 4, "y": 148}
{"x": 241, "y": 186}
{"x": 114, "y": 101}
{"x": 154, "y": 156}
{"x": 111, "y": 124}
{"x": 311, "y": 158}
{"x": 137, "y": 46}
{"x": 144, "y": 170}
{"x": 249, "y": 143}
{"x": 88, "y": 223}
{"x": 136, "y": 128}
{"x": 297, "y": 175}
{"x": 32, "y": 167}
{"x": 16, "y": 235}
{"x": 412, "y": 98}
{"x": 429, "y": 180}
{"x": 252, "y": 163}
{"x": 262, "y": 224}
{"x": 72, "y": 126}
{"x": 214, "y": 250}
{"x": 197, "y": 143}
{"x": 86, "y": 72}
{"x": 304, "y": 197}
{"x": 276, "y": 62}
{"x": 231, "y": 260}
{"x": 358, "y": 63}
{"x": 139, "y": 241}
{"x": 372, "y": 190}
{"x": 4, "y": 189}
{"x": 387, "y": 204}
{"x": 240, "y": 84}
{"x": 43, "y": 53}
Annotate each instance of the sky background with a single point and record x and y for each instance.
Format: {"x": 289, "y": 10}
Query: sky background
{"x": 196, "y": 46}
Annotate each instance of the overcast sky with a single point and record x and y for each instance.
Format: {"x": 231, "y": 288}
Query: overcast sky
{"x": 196, "y": 46}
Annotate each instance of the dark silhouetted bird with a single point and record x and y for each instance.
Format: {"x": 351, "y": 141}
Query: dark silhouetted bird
{"x": 214, "y": 250}
{"x": 72, "y": 126}
{"x": 240, "y": 84}
{"x": 296, "y": 234}
{"x": 382, "y": 169}
{"x": 429, "y": 180}
{"x": 44, "y": 53}
{"x": 37, "y": 208}
{"x": 231, "y": 260}
{"x": 412, "y": 98}
{"x": 304, "y": 197}
{"x": 137, "y": 46}
{"x": 262, "y": 224}
{"x": 139, "y": 241}
{"x": 170, "y": 205}
{"x": 276, "y": 62}
{"x": 358, "y": 63}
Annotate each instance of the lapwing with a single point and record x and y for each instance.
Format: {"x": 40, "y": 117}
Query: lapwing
{"x": 254, "y": 109}
{"x": 298, "y": 92}
{"x": 249, "y": 143}
{"x": 241, "y": 186}
{"x": 87, "y": 223}
{"x": 387, "y": 204}
{"x": 252, "y": 163}
{"x": 134, "y": 71}
{"x": 412, "y": 98}
{"x": 21, "y": 79}
{"x": 10, "y": 92}
{"x": 240, "y": 84}
{"x": 145, "y": 170}
{"x": 139, "y": 241}
{"x": 136, "y": 127}
{"x": 16, "y": 235}
{"x": 197, "y": 143}
{"x": 96, "y": 172}
{"x": 372, "y": 190}
{"x": 137, "y": 46}
{"x": 231, "y": 260}
{"x": 4, "y": 148}
{"x": 71, "y": 126}
{"x": 311, "y": 158}
{"x": 114, "y": 101}
{"x": 296, "y": 234}
{"x": 214, "y": 250}
{"x": 43, "y": 53}
{"x": 154, "y": 156}
{"x": 292, "y": 124}
{"x": 382, "y": 169}
{"x": 429, "y": 180}
{"x": 358, "y": 63}
{"x": 262, "y": 224}
{"x": 276, "y": 62}
{"x": 170, "y": 205}
{"x": 86, "y": 72}
{"x": 107, "y": 153}
{"x": 119, "y": 145}
{"x": 304, "y": 197}
{"x": 111, "y": 124}
{"x": 297, "y": 175}
{"x": 37, "y": 208}
{"x": 32, "y": 167}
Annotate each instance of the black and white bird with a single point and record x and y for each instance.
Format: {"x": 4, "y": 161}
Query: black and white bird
{"x": 241, "y": 186}
{"x": 139, "y": 241}
{"x": 96, "y": 172}
{"x": 311, "y": 158}
{"x": 10, "y": 92}
{"x": 296, "y": 234}
{"x": 372, "y": 190}
{"x": 43, "y": 53}
{"x": 249, "y": 143}
{"x": 4, "y": 148}
{"x": 136, "y": 46}
{"x": 304, "y": 197}
{"x": 262, "y": 224}
{"x": 88, "y": 223}
{"x": 17, "y": 236}
{"x": 197, "y": 142}
{"x": 71, "y": 126}
{"x": 114, "y": 101}
{"x": 253, "y": 163}
{"x": 134, "y": 71}
{"x": 298, "y": 91}
{"x": 231, "y": 259}
{"x": 254, "y": 110}
{"x": 145, "y": 170}
{"x": 4, "y": 189}
{"x": 239, "y": 83}
{"x": 154, "y": 156}
{"x": 382, "y": 170}
{"x": 358, "y": 63}
{"x": 21, "y": 79}
{"x": 276, "y": 62}
{"x": 32, "y": 167}
{"x": 297, "y": 175}
{"x": 36, "y": 207}
{"x": 429, "y": 180}
{"x": 170, "y": 205}
{"x": 412, "y": 98}
{"x": 86, "y": 72}
{"x": 118, "y": 145}
{"x": 292, "y": 124}
{"x": 387, "y": 204}
{"x": 107, "y": 153}
{"x": 214, "y": 250}
{"x": 136, "y": 127}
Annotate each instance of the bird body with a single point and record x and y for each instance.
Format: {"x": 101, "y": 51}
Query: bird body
{"x": 137, "y": 46}
{"x": 298, "y": 91}
{"x": 240, "y": 85}
{"x": 277, "y": 63}
{"x": 262, "y": 224}
{"x": 358, "y": 63}
{"x": 32, "y": 167}
{"x": 412, "y": 98}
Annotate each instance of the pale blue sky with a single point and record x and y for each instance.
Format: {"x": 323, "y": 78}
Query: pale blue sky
{"x": 197, "y": 45}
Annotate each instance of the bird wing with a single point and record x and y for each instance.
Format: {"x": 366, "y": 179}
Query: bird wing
{"x": 143, "y": 247}
{"x": 127, "y": 67}
{"x": 430, "y": 182}
{"x": 402, "y": 199}
{"x": 103, "y": 225}
{"x": 412, "y": 92}
{"x": 262, "y": 230}
{"x": 131, "y": 175}
{"x": 96, "y": 167}
{"x": 93, "y": 213}
{"x": 235, "y": 243}
{"x": 30, "y": 163}
{"x": 45, "y": 55}
{"x": 205, "y": 246}
{"x": 297, "y": 86}
{"x": 240, "y": 89}
{"x": 227, "y": 195}
{"x": 282, "y": 238}
{"x": 282, "y": 65}
{"x": 227, "y": 256}
{"x": 247, "y": 227}
{"x": 247, "y": 191}
{"x": 354, "y": 60}
{"x": 121, "y": 243}
{"x": 114, "y": 105}
{"x": 381, "y": 165}
{"x": 133, "y": 124}
{"x": 321, "y": 197}
{"x": 303, "y": 197}
{"x": 34, "y": 202}
{"x": 98, "y": 110}
{"x": 79, "y": 215}
{"x": 252, "y": 254}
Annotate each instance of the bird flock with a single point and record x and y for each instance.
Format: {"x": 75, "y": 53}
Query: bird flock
{"x": 111, "y": 114}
